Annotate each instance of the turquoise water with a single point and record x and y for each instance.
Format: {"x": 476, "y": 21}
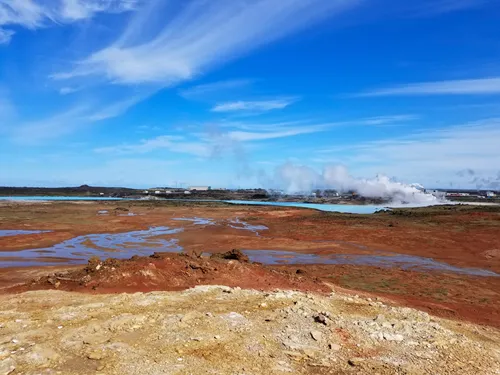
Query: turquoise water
{"x": 344, "y": 208}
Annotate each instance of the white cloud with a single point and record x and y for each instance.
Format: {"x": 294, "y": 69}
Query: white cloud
{"x": 117, "y": 108}
{"x": 5, "y": 36}
{"x": 67, "y": 90}
{"x": 167, "y": 142}
{"x": 198, "y": 35}
{"x": 50, "y": 127}
{"x": 481, "y": 86}
{"x": 33, "y": 14}
{"x": 257, "y": 106}
{"x": 436, "y": 7}
{"x": 430, "y": 155}
{"x": 241, "y": 136}
{"x": 81, "y": 9}
{"x": 211, "y": 142}
{"x": 384, "y": 120}
{"x": 209, "y": 89}
{"x": 66, "y": 121}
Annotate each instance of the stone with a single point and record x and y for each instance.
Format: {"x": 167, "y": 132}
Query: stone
{"x": 96, "y": 339}
{"x": 355, "y": 361}
{"x": 321, "y": 318}
{"x": 334, "y": 347}
{"x": 7, "y": 366}
{"x": 316, "y": 335}
{"x": 192, "y": 315}
{"x": 41, "y": 356}
{"x": 393, "y": 337}
{"x": 379, "y": 318}
{"x": 311, "y": 353}
{"x": 96, "y": 355}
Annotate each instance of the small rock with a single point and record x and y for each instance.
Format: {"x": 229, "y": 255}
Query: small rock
{"x": 96, "y": 339}
{"x": 321, "y": 318}
{"x": 379, "y": 318}
{"x": 96, "y": 355}
{"x": 334, "y": 347}
{"x": 393, "y": 337}
{"x": 316, "y": 335}
{"x": 217, "y": 337}
{"x": 294, "y": 355}
{"x": 355, "y": 362}
{"x": 311, "y": 353}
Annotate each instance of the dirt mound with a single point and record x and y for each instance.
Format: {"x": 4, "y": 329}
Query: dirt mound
{"x": 234, "y": 254}
{"x": 171, "y": 272}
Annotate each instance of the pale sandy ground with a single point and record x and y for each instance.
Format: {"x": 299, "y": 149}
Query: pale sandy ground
{"x": 219, "y": 330}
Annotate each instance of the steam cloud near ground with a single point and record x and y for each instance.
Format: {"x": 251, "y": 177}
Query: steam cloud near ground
{"x": 294, "y": 178}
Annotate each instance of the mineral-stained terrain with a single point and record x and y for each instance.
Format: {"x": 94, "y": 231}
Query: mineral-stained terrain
{"x": 223, "y": 330}
{"x": 164, "y": 312}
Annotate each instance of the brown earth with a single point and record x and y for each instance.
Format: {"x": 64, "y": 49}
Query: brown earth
{"x": 463, "y": 236}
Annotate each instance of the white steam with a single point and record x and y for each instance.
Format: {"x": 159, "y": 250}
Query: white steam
{"x": 302, "y": 179}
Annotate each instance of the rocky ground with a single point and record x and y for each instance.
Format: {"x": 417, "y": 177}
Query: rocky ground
{"x": 222, "y": 330}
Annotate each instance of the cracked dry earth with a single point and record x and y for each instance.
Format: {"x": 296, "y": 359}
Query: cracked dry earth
{"x": 222, "y": 330}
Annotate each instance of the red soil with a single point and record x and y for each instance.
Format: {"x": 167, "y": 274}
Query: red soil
{"x": 169, "y": 272}
{"x": 461, "y": 236}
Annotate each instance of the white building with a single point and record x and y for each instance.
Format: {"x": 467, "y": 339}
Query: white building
{"x": 490, "y": 194}
{"x": 199, "y": 188}
{"x": 157, "y": 192}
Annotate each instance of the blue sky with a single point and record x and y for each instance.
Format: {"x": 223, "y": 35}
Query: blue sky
{"x": 225, "y": 93}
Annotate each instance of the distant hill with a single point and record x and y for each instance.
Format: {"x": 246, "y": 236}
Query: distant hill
{"x": 84, "y": 190}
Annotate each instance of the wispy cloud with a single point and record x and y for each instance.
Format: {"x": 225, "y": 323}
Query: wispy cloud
{"x": 428, "y": 154}
{"x": 197, "y": 36}
{"x": 48, "y": 128}
{"x": 437, "y": 7}
{"x": 66, "y": 121}
{"x": 118, "y": 107}
{"x": 481, "y": 86}
{"x": 67, "y": 90}
{"x": 209, "y": 89}
{"x": 5, "y": 36}
{"x": 34, "y": 14}
{"x": 172, "y": 143}
{"x": 254, "y": 106}
{"x": 242, "y": 136}
{"x": 213, "y": 140}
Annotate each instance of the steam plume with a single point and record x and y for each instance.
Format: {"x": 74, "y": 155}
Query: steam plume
{"x": 302, "y": 179}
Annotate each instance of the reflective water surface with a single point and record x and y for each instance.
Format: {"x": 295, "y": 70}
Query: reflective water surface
{"x": 408, "y": 262}
{"x": 162, "y": 239}
{"x": 17, "y": 232}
